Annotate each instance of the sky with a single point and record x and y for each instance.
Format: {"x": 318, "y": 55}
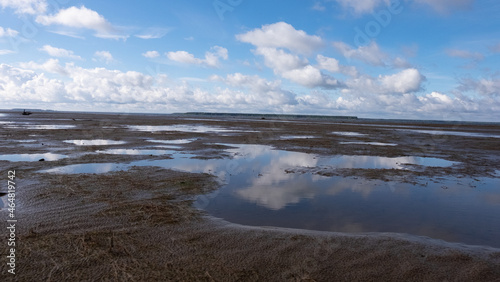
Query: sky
{"x": 408, "y": 59}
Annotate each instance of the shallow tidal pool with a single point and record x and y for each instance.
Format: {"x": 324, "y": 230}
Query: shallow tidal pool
{"x": 257, "y": 188}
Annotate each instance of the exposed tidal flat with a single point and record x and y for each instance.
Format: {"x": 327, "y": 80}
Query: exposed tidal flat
{"x": 254, "y": 198}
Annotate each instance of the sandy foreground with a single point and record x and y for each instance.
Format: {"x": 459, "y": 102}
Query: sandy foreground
{"x": 140, "y": 224}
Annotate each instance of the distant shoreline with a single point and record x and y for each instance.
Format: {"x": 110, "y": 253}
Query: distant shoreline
{"x": 268, "y": 115}
{"x": 291, "y": 116}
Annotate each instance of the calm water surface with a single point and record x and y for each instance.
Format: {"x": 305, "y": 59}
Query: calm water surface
{"x": 31, "y": 157}
{"x": 257, "y": 190}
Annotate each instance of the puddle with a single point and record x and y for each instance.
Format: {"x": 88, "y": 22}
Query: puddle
{"x": 368, "y": 143}
{"x": 455, "y": 133}
{"x": 176, "y": 163}
{"x": 180, "y": 127}
{"x": 96, "y": 142}
{"x": 375, "y": 162}
{"x": 31, "y": 157}
{"x": 50, "y": 126}
{"x": 40, "y": 126}
{"x": 256, "y": 190}
{"x": 135, "y": 152}
{"x": 173, "y": 142}
{"x": 88, "y": 168}
{"x": 346, "y": 133}
{"x": 451, "y": 210}
{"x": 288, "y": 137}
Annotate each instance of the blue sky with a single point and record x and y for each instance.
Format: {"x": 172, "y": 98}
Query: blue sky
{"x": 418, "y": 59}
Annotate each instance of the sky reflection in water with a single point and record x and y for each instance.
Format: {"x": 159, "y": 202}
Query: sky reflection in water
{"x": 31, "y": 157}
{"x": 95, "y": 142}
{"x": 180, "y": 127}
{"x": 455, "y": 133}
{"x": 173, "y": 142}
{"x": 257, "y": 191}
{"x": 25, "y": 125}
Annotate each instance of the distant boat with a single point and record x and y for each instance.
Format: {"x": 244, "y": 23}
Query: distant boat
{"x": 25, "y": 113}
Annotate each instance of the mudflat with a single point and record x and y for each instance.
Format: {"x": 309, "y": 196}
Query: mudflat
{"x": 139, "y": 223}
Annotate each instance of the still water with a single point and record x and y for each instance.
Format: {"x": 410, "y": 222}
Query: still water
{"x": 94, "y": 142}
{"x": 180, "y": 127}
{"x": 31, "y": 126}
{"x": 456, "y": 133}
{"x": 31, "y": 157}
{"x": 257, "y": 188}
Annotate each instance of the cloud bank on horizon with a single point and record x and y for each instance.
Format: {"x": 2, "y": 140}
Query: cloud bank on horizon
{"x": 417, "y": 59}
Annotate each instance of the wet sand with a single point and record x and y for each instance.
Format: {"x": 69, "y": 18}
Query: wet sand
{"x": 140, "y": 224}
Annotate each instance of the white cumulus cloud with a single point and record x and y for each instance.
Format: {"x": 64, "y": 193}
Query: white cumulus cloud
{"x": 282, "y": 47}
{"x": 50, "y": 66}
{"x": 5, "y": 52}
{"x": 21, "y": 85}
{"x": 370, "y": 54}
{"x": 211, "y": 59}
{"x": 406, "y": 81}
{"x": 104, "y": 56}
{"x": 282, "y": 35}
{"x": 183, "y": 57}
{"x": 25, "y": 6}
{"x": 295, "y": 68}
{"x": 260, "y": 90}
{"x": 8, "y": 32}
{"x": 59, "y": 52}
{"x": 281, "y": 61}
{"x": 311, "y": 77}
{"x": 484, "y": 86}
{"x": 81, "y": 18}
{"x": 333, "y": 65}
{"x": 151, "y": 54}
